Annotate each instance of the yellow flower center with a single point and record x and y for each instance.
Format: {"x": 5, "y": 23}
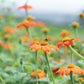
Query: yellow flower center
{"x": 80, "y": 79}
{"x": 30, "y": 17}
{"x": 45, "y": 29}
{"x": 71, "y": 65}
{"x": 44, "y": 42}
{"x": 81, "y": 14}
{"x": 39, "y": 70}
{"x": 36, "y": 41}
{"x": 75, "y": 24}
{"x": 25, "y": 21}
{"x": 6, "y": 36}
{"x": 66, "y": 39}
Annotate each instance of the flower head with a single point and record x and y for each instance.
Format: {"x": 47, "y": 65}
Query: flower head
{"x": 1, "y": 15}
{"x": 29, "y": 17}
{"x": 66, "y": 41}
{"x": 26, "y": 23}
{"x": 25, "y": 6}
{"x": 75, "y": 24}
{"x": 81, "y": 15}
{"x": 45, "y": 30}
{"x": 40, "y": 73}
{"x": 80, "y": 79}
{"x": 9, "y": 30}
{"x": 50, "y": 38}
{"x": 70, "y": 68}
{"x": 25, "y": 39}
{"x": 64, "y": 33}
{"x": 40, "y": 24}
{"x": 43, "y": 45}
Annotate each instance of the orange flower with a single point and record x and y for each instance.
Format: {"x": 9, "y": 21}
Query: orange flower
{"x": 71, "y": 68}
{"x": 54, "y": 69}
{"x": 75, "y": 24}
{"x": 51, "y": 38}
{"x": 7, "y": 45}
{"x": 25, "y": 6}
{"x": 66, "y": 41}
{"x": 40, "y": 24}
{"x": 40, "y": 73}
{"x": 43, "y": 45}
{"x": 1, "y": 15}
{"x": 25, "y": 39}
{"x": 29, "y": 17}
{"x": 26, "y": 23}
{"x": 64, "y": 33}
{"x": 9, "y": 30}
{"x": 81, "y": 15}
{"x": 59, "y": 61}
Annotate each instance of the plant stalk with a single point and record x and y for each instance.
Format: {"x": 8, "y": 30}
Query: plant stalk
{"x": 71, "y": 76}
{"x": 36, "y": 59}
{"x": 49, "y": 68}
{"x": 75, "y": 52}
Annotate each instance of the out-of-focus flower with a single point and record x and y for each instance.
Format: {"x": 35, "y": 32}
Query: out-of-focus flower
{"x": 9, "y": 30}
{"x": 7, "y": 46}
{"x": 29, "y": 17}
{"x": 1, "y": 15}
{"x": 43, "y": 45}
{"x": 80, "y": 79}
{"x": 59, "y": 61}
{"x": 54, "y": 70}
{"x": 45, "y": 30}
{"x": 66, "y": 41}
{"x": 25, "y": 39}
{"x": 64, "y": 33}
{"x": 81, "y": 15}
{"x": 25, "y": 6}
{"x": 40, "y": 73}
{"x": 5, "y": 36}
{"x": 71, "y": 68}
{"x": 26, "y": 23}
{"x": 40, "y": 24}
{"x": 75, "y": 24}
{"x": 50, "y": 38}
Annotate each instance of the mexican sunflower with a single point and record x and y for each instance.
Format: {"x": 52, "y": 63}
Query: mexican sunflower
{"x": 64, "y": 33}
{"x": 81, "y": 15}
{"x": 40, "y": 73}
{"x": 7, "y": 45}
{"x": 43, "y": 45}
{"x": 25, "y": 6}
{"x": 9, "y": 30}
{"x": 50, "y": 38}
{"x": 66, "y": 41}
{"x": 29, "y": 17}
{"x": 75, "y": 24}
{"x": 1, "y": 15}
{"x": 25, "y": 39}
{"x": 26, "y": 23}
{"x": 71, "y": 68}
{"x": 40, "y": 24}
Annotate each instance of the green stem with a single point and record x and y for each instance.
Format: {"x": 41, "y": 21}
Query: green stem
{"x": 26, "y": 12}
{"x": 36, "y": 59}
{"x": 2, "y": 80}
{"x": 75, "y": 31}
{"x": 75, "y": 52}
{"x": 49, "y": 68}
{"x": 71, "y": 57}
{"x": 71, "y": 76}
